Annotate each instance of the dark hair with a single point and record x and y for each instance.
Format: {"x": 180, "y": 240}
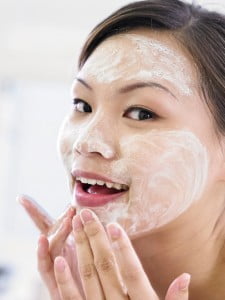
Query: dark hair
{"x": 200, "y": 31}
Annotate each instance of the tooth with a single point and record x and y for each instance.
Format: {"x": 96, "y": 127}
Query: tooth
{"x": 124, "y": 187}
{"x": 109, "y": 185}
{"x": 83, "y": 180}
{"x": 117, "y": 186}
{"x": 91, "y": 181}
{"x": 99, "y": 182}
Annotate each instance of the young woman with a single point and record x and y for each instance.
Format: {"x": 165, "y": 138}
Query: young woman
{"x": 144, "y": 150}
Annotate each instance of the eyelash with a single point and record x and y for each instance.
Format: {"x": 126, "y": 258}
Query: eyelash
{"x": 148, "y": 113}
{"x": 78, "y": 101}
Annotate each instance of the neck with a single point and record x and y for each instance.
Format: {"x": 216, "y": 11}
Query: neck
{"x": 193, "y": 244}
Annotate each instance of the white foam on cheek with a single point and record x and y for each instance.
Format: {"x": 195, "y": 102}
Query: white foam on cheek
{"x": 84, "y": 139}
{"x": 176, "y": 168}
{"x": 169, "y": 171}
{"x": 65, "y": 141}
{"x": 149, "y": 59}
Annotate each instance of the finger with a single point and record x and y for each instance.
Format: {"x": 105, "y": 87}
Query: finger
{"x": 88, "y": 273}
{"x": 104, "y": 258}
{"x": 66, "y": 285}
{"x": 46, "y": 224}
{"x": 178, "y": 289}
{"x": 45, "y": 267}
{"x": 58, "y": 240}
{"x": 38, "y": 215}
{"x": 69, "y": 212}
{"x": 133, "y": 274}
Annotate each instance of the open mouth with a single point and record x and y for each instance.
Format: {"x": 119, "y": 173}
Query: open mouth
{"x": 93, "y": 186}
{"x": 92, "y": 192}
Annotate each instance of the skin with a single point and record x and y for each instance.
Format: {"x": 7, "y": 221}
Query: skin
{"x": 184, "y": 182}
{"x": 144, "y": 152}
{"x": 103, "y": 264}
{"x": 192, "y": 239}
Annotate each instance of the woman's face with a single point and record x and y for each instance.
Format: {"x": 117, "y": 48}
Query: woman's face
{"x": 139, "y": 144}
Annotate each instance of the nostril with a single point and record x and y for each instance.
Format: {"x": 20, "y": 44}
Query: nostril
{"x": 92, "y": 147}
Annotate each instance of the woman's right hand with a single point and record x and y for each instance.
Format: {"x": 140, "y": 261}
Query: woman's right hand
{"x": 56, "y": 239}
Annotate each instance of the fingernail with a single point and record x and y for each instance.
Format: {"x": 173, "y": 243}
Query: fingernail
{"x": 71, "y": 211}
{"x": 60, "y": 264}
{"x": 20, "y": 199}
{"x": 86, "y": 216}
{"x": 114, "y": 231}
{"x": 77, "y": 224}
{"x": 25, "y": 200}
{"x": 184, "y": 282}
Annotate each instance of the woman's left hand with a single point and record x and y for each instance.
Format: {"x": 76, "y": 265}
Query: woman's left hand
{"x": 109, "y": 267}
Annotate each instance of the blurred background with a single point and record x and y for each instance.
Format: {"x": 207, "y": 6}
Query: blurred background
{"x": 39, "y": 47}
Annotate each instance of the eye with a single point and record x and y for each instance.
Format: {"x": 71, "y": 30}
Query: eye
{"x": 140, "y": 114}
{"x": 81, "y": 106}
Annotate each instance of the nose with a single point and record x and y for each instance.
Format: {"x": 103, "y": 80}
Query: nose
{"x": 95, "y": 139}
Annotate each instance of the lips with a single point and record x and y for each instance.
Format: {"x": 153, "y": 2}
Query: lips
{"x": 95, "y": 190}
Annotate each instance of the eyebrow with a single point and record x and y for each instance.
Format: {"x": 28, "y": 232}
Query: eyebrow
{"x": 151, "y": 84}
{"x": 134, "y": 86}
{"x": 84, "y": 83}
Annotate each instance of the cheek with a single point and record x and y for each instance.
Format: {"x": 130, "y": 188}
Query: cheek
{"x": 65, "y": 142}
{"x": 64, "y": 147}
{"x": 169, "y": 170}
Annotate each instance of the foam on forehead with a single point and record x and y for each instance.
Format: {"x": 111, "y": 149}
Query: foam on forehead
{"x": 137, "y": 57}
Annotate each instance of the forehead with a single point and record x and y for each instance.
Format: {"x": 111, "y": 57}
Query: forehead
{"x": 141, "y": 55}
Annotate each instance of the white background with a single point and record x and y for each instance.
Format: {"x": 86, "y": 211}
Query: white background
{"x": 39, "y": 45}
